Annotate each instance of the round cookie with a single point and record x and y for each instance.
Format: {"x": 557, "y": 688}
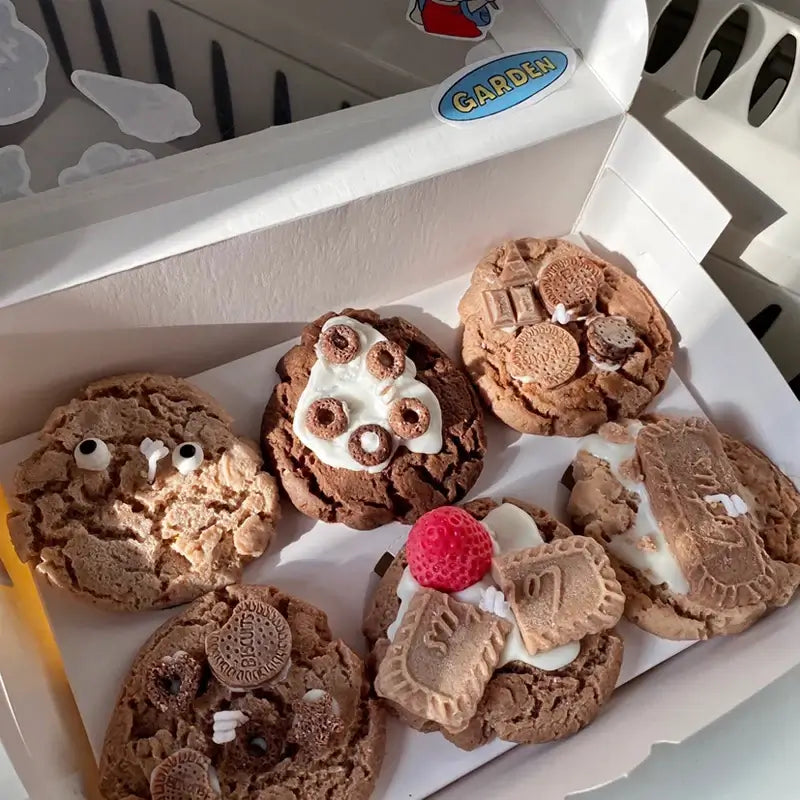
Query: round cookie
{"x": 600, "y": 506}
{"x": 312, "y": 732}
{"x": 558, "y": 341}
{"x": 385, "y": 480}
{"x": 141, "y": 496}
{"x": 521, "y": 703}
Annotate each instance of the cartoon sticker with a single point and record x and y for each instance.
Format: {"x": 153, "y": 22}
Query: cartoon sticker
{"x": 501, "y": 83}
{"x": 23, "y": 64}
{"x": 152, "y": 112}
{"x": 100, "y": 159}
{"x": 454, "y": 19}
{"x": 15, "y": 175}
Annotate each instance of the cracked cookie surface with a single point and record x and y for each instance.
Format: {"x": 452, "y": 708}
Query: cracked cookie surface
{"x": 521, "y": 703}
{"x": 274, "y": 755}
{"x": 588, "y": 396}
{"x": 114, "y": 538}
{"x": 412, "y": 483}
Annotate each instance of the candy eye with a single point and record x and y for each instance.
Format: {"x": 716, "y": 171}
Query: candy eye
{"x": 187, "y": 457}
{"x": 92, "y": 454}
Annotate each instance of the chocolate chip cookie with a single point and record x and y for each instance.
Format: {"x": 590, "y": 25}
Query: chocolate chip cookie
{"x": 244, "y": 695}
{"x": 703, "y": 531}
{"x": 141, "y": 496}
{"x": 558, "y": 341}
{"x": 527, "y": 654}
{"x": 371, "y": 422}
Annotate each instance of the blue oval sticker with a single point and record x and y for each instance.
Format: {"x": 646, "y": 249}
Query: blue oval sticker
{"x": 502, "y": 83}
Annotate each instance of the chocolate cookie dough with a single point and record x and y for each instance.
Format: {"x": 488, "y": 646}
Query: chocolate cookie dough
{"x": 406, "y": 434}
{"x": 141, "y": 496}
{"x": 703, "y": 531}
{"x": 571, "y": 590}
{"x": 310, "y": 731}
{"x": 558, "y": 341}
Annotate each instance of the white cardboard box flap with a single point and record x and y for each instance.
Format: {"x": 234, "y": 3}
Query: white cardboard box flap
{"x": 602, "y": 177}
{"x": 156, "y": 210}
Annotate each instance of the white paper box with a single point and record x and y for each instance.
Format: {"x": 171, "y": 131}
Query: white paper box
{"x": 752, "y": 167}
{"x": 382, "y": 206}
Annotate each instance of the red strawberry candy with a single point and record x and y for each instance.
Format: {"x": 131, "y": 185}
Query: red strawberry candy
{"x": 448, "y": 550}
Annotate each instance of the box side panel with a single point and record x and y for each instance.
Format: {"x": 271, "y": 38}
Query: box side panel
{"x": 189, "y": 312}
{"x": 611, "y": 36}
{"x": 676, "y": 196}
{"x": 718, "y": 357}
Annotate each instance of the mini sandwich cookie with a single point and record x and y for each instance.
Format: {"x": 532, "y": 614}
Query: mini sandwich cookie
{"x": 703, "y": 531}
{"x": 501, "y": 627}
{"x": 141, "y": 496}
{"x": 244, "y": 695}
{"x": 371, "y": 422}
{"x": 559, "y": 341}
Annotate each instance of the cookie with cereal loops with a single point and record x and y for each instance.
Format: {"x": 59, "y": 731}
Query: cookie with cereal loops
{"x": 371, "y": 422}
{"x": 140, "y": 495}
{"x": 246, "y": 694}
{"x": 558, "y": 341}
{"x": 495, "y": 621}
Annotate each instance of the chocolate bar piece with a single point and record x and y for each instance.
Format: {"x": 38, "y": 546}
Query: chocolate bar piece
{"x": 528, "y": 310}
{"x": 499, "y": 308}
{"x": 516, "y": 271}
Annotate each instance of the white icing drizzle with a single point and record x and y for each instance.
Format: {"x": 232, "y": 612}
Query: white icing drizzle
{"x": 659, "y": 565}
{"x": 361, "y": 393}
{"x": 604, "y": 366}
{"x": 511, "y": 529}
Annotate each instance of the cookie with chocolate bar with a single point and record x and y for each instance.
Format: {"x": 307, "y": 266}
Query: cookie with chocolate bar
{"x": 141, "y": 495}
{"x": 371, "y": 422}
{"x": 558, "y": 341}
{"x": 244, "y": 694}
{"x": 703, "y": 531}
{"x": 496, "y": 621}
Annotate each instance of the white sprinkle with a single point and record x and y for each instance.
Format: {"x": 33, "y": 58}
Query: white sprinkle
{"x": 153, "y": 451}
{"x": 226, "y": 723}
{"x": 561, "y": 315}
{"x": 494, "y": 602}
{"x": 734, "y": 505}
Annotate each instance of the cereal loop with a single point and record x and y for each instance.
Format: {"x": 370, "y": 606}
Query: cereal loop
{"x": 386, "y": 360}
{"x": 573, "y": 281}
{"x": 327, "y": 418}
{"x": 544, "y": 354}
{"x": 370, "y": 445}
{"x": 171, "y": 683}
{"x": 409, "y": 418}
{"x": 339, "y": 344}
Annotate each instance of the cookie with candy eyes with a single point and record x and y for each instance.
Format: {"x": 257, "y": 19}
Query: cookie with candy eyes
{"x": 141, "y": 496}
{"x": 495, "y": 621}
{"x": 371, "y": 422}
{"x": 558, "y": 341}
{"x": 703, "y": 531}
{"x": 244, "y": 694}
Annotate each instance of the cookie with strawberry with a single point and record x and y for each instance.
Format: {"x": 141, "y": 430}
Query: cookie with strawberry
{"x": 495, "y": 621}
